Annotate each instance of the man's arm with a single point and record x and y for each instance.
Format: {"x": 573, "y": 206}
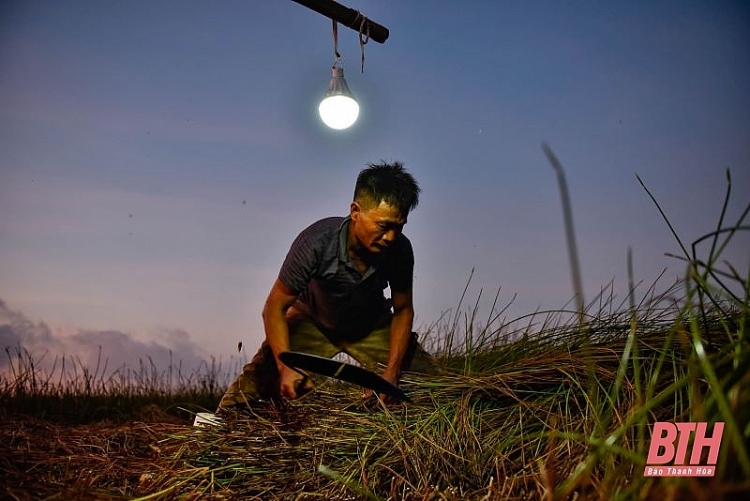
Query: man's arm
{"x": 278, "y": 302}
{"x": 401, "y": 325}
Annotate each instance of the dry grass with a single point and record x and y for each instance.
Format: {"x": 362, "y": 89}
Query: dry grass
{"x": 48, "y": 460}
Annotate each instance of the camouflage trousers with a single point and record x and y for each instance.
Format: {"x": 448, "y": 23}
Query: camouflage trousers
{"x": 259, "y": 379}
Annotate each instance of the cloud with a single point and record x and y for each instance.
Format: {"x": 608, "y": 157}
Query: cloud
{"x": 105, "y": 351}
{"x": 15, "y": 328}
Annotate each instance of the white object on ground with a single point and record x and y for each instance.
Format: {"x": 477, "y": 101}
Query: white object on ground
{"x": 207, "y": 419}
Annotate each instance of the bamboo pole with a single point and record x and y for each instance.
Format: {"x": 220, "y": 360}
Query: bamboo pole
{"x": 348, "y": 17}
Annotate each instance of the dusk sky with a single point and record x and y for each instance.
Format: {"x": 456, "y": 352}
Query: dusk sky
{"x": 157, "y": 158}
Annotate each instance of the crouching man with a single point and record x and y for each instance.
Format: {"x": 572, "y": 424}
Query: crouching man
{"x": 328, "y": 297}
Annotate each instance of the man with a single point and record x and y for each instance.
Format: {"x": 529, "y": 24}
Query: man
{"x": 328, "y": 296}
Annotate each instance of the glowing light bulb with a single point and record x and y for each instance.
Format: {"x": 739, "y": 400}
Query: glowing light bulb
{"x": 338, "y": 109}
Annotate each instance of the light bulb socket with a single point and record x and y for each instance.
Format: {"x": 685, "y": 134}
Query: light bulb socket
{"x": 337, "y": 85}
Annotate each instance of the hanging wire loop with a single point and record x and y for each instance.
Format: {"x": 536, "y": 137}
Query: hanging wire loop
{"x": 364, "y": 35}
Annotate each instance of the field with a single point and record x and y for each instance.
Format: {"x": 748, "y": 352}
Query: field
{"x": 556, "y": 405}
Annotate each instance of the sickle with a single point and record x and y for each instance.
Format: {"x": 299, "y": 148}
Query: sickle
{"x": 343, "y": 372}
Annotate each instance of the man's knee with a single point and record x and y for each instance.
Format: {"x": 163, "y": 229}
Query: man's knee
{"x": 417, "y": 359}
{"x": 259, "y": 379}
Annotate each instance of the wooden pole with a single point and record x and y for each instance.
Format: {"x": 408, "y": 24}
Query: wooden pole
{"x": 348, "y": 17}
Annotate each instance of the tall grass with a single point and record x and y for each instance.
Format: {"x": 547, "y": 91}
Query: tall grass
{"x": 67, "y": 390}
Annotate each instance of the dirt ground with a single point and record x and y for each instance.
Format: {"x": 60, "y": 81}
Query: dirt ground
{"x": 42, "y": 459}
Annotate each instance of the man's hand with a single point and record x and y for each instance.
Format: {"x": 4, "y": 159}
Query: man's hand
{"x": 293, "y": 384}
{"x": 401, "y": 323}
{"x": 390, "y": 376}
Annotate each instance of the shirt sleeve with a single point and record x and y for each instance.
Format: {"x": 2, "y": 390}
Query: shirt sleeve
{"x": 301, "y": 261}
{"x": 402, "y": 267}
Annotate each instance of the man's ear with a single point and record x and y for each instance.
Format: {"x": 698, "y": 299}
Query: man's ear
{"x": 354, "y": 210}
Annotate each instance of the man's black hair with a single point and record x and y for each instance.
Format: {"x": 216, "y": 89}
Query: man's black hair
{"x": 389, "y": 183}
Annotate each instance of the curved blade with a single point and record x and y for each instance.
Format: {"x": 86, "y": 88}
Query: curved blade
{"x": 342, "y": 371}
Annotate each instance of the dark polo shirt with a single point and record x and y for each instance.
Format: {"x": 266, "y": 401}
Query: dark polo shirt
{"x": 341, "y": 301}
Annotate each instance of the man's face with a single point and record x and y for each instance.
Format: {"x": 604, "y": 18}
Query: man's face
{"x": 375, "y": 226}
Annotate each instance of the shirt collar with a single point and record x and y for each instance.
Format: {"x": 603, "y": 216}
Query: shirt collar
{"x": 344, "y": 252}
{"x": 343, "y": 235}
